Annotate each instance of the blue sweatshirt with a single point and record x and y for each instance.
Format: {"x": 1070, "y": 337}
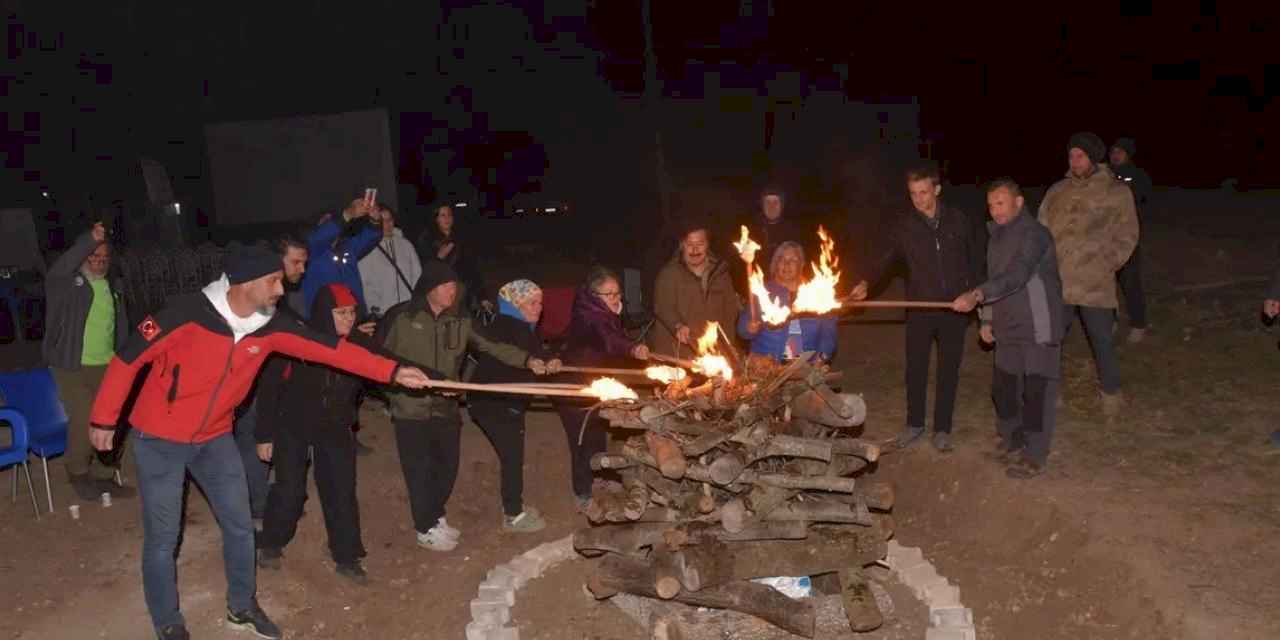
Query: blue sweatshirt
{"x": 816, "y": 333}
{"x": 334, "y": 257}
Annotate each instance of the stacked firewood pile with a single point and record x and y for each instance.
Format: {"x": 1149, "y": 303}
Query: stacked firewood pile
{"x": 738, "y": 478}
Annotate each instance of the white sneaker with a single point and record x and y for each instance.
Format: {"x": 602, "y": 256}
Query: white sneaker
{"x": 437, "y": 540}
{"x": 443, "y": 525}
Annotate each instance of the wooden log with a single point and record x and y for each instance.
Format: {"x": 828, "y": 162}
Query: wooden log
{"x": 704, "y": 565}
{"x": 626, "y": 539}
{"x": 618, "y": 574}
{"x": 763, "y": 499}
{"x": 826, "y": 549}
{"x": 670, "y": 490}
{"x": 637, "y": 498}
{"x": 846, "y": 465}
{"x": 602, "y": 461}
{"x": 726, "y": 468}
{"x": 868, "y": 451}
{"x": 704, "y": 443}
{"x": 860, "y": 605}
{"x": 829, "y": 408}
{"x": 794, "y": 447}
{"x": 876, "y": 495}
{"x": 817, "y": 483}
{"x": 734, "y": 515}
{"x": 706, "y": 501}
{"x": 765, "y": 531}
{"x": 666, "y": 452}
{"x": 824, "y": 511}
{"x": 666, "y": 571}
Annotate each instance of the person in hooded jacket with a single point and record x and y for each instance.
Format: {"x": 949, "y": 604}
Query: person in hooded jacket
{"x": 336, "y": 246}
{"x": 595, "y": 339}
{"x": 501, "y": 417}
{"x": 305, "y": 405}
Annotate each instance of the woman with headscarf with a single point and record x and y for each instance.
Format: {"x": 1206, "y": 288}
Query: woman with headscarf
{"x": 595, "y": 339}
{"x": 307, "y": 406}
{"x": 501, "y": 417}
{"x": 440, "y": 241}
{"x": 796, "y": 335}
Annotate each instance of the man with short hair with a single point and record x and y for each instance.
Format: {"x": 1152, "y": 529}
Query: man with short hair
{"x": 1023, "y": 316}
{"x": 86, "y": 324}
{"x": 205, "y": 350}
{"x": 943, "y": 255}
{"x": 1130, "y": 275}
{"x": 1095, "y": 228}
{"x": 391, "y": 270}
{"x": 691, "y": 291}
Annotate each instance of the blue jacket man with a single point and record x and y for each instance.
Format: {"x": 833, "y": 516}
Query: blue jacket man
{"x": 337, "y": 245}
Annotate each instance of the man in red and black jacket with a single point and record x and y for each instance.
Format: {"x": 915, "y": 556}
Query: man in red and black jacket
{"x": 205, "y": 350}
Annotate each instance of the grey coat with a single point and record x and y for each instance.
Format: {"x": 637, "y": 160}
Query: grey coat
{"x": 1024, "y": 291}
{"x": 68, "y": 296}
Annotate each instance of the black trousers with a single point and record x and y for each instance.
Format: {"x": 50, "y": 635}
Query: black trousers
{"x": 594, "y": 440}
{"x": 503, "y": 424}
{"x": 923, "y": 329}
{"x": 1026, "y": 410}
{"x": 429, "y": 461}
{"x": 335, "y": 472}
{"x": 1135, "y": 299}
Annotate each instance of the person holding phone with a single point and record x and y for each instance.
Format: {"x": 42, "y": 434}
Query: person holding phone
{"x": 336, "y": 246}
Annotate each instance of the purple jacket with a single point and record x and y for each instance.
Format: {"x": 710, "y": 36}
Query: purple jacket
{"x": 596, "y": 337}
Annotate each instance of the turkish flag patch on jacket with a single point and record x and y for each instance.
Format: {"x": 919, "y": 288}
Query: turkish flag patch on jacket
{"x": 149, "y": 329}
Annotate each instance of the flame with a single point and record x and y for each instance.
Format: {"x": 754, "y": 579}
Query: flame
{"x": 746, "y": 247}
{"x": 709, "y": 360}
{"x": 610, "y": 389}
{"x": 772, "y": 311}
{"x": 819, "y": 294}
{"x": 665, "y": 375}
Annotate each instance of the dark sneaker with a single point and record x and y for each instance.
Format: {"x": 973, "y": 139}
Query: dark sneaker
{"x": 254, "y": 619}
{"x": 1025, "y": 468}
{"x": 173, "y": 632}
{"x": 942, "y": 442}
{"x": 354, "y": 572}
{"x": 1007, "y": 451}
{"x": 909, "y": 436}
{"x": 269, "y": 558}
{"x": 85, "y": 487}
{"x": 116, "y": 491}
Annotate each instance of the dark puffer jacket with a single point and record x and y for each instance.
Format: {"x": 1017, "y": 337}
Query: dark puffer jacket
{"x": 941, "y": 262}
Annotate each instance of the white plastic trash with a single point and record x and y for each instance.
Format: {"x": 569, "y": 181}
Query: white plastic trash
{"x": 795, "y": 587}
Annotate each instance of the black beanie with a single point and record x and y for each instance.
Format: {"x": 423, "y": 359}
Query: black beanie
{"x": 244, "y": 264}
{"x": 434, "y": 274}
{"x": 1090, "y": 144}
{"x": 1130, "y": 147}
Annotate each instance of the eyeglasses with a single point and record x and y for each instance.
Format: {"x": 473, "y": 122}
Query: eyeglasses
{"x": 612, "y": 295}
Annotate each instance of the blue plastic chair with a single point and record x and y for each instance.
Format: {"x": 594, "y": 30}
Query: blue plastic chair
{"x": 34, "y": 395}
{"x": 16, "y": 453}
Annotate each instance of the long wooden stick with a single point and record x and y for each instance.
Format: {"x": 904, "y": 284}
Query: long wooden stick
{"x": 509, "y": 388}
{"x": 896, "y": 304}
{"x": 680, "y": 362}
{"x": 603, "y": 371}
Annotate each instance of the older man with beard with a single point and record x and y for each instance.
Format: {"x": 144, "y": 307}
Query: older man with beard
{"x": 1095, "y": 228}
{"x": 693, "y": 290}
{"x": 205, "y": 350}
{"x": 87, "y": 323}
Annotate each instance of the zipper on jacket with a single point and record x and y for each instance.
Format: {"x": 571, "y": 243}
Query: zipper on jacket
{"x": 173, "y": 386}
{"x": 213, "y": 397}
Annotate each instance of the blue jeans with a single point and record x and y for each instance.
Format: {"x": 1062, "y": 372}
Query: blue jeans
{"x": 162, "y": 467}
{"x": 255, "y": 470}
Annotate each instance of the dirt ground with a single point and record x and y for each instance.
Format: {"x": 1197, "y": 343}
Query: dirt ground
{"x": 1159, "y": 524}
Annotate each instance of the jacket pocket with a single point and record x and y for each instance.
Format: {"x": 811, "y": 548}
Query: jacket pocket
{"x": 173, "y": 385}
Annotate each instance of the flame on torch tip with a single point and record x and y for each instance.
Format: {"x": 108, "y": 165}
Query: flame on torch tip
{"x": 819, "y": 294}
{"x": 746, "y": 247}
{"x": 709, "y": 360}
{"x": 610, "y": 389}
{"x": 772, "y": 311}
{"x": 665, "y": 375}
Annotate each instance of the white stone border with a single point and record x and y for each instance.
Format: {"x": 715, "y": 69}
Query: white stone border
{"x": 948, "y": 619}
{"x": 491, "y": 608}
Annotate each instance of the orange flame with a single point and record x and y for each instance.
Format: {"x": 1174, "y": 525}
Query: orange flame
{"x": 772, "y": 311}
{"x": 709, "y": 360}
{"x": 746, "y": 247}
{"x": 610, "y": 389}
{"x": 665, "y": 375}
{"x": 818, "y": 295}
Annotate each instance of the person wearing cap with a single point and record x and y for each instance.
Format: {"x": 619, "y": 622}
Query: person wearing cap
{"x": 501, "y": 417}
{"x": 431, "y": 331}
{"x": 205, "y": 350}
{"x": 1130, "y": 276}
{"x": 1094, "y": 224}
{"x": 307, "y": 408}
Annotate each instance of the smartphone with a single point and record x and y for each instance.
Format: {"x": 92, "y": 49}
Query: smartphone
{"x": 370, "y": 196}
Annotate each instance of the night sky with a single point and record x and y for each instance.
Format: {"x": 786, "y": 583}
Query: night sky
{"x": 92, "y": 84}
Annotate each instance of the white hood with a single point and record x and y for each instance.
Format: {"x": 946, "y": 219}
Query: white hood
{"x": 216, "y": 292}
